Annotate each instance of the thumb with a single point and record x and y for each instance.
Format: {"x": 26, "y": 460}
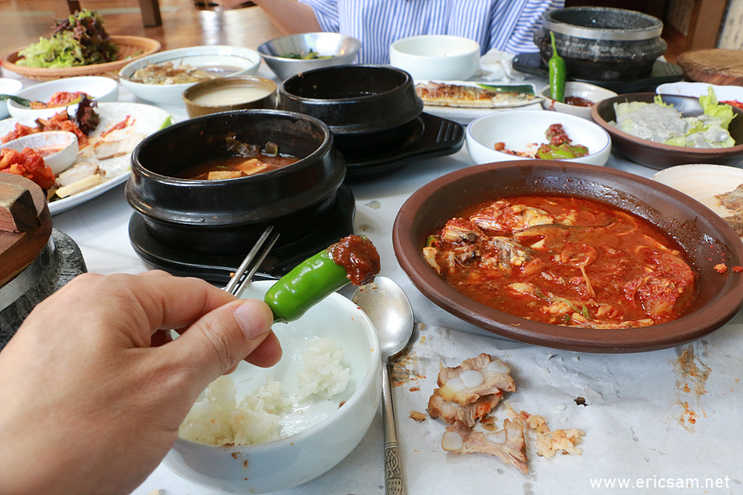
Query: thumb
{"x": 220, "y": 339}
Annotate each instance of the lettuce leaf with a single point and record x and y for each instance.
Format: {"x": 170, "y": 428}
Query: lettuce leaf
{"x": 722, "y": 113}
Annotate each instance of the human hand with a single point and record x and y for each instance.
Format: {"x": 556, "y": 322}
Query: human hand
{"x": 92, "y": 389}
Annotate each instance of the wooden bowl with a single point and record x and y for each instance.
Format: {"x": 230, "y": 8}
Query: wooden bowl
{"x": 130, "y": 48}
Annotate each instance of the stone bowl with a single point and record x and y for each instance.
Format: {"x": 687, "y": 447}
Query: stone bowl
{"x": 602, "y": 44}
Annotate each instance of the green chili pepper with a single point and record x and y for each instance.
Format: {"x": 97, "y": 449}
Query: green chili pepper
{"x": 557, "y": 73}
{"x": 306, "y": 285}
{"x": 316, "y": 278}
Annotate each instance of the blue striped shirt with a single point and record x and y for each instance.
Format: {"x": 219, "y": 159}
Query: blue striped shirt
{"x": 506, "y": 25}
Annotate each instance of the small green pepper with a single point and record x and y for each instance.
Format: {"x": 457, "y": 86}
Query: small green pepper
{"x": 314, "y": 279}
{"x": 557, "y": 73}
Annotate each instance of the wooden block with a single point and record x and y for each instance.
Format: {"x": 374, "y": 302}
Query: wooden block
{"x": 18, "y": 209}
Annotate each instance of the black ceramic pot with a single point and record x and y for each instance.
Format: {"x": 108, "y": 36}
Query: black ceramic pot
{"x": 600, "y": 43}
{"x": 225, "y": 217}
{"x": 367, "y": 107}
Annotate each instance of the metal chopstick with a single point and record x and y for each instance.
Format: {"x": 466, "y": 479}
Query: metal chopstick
{"x": 252, "y": 262}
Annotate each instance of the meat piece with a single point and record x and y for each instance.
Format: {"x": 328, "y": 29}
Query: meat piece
{"x": 458, "y": 230}
{"x": 501, "y": 216}
{"x": 475, "y": 378}
{"x": 452, "y": 412}
{"x": 508, "y": 444}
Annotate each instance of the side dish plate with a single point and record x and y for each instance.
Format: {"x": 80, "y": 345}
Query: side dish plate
{"x": 148, "y": 119}
{"x": 464, "y": 115}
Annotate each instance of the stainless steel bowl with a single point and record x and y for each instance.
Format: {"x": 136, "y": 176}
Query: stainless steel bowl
{"x": 338, "y": 49}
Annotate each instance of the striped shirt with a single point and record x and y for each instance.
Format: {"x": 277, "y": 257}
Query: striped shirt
{"x": 506, "y": 25}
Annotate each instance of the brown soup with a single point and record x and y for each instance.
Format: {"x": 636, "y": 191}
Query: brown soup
{"x": 237, "y": 166}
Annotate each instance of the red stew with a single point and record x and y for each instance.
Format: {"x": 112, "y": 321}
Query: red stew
{"x": 358, "y": 256}
{"x": 565, "y": 261}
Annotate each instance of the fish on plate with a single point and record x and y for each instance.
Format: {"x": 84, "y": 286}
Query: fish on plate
{"x": 477, "y": 95}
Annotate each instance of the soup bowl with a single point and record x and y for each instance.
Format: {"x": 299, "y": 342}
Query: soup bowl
{"x": 232, "y": 93}
{"x": 222, "y": 217}
{"x": 704, "y": 237}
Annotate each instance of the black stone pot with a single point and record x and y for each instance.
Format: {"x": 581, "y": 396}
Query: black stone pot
{"x": 226, "y": 217}
{"x": 602, "y": 44}
{"x": 367, "y": 107}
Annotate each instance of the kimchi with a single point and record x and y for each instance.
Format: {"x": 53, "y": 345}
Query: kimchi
{"x": 565, "y": 261}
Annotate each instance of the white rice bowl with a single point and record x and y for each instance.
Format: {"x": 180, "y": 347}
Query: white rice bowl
{"x": 316, "y": 432}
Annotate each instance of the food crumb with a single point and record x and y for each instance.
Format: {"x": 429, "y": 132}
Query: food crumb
{"x": 738, "y": 269}
{"x": 415, "y": 389}
{"x": 581, "y": 401}
{"x": 721, "y": 268}
{"x": 154, "y": 492}
{"x": 417, "y": 416}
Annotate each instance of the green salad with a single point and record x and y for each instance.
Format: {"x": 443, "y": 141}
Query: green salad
{"x": 77, "y": 40}
{"x": 662, "y": 123}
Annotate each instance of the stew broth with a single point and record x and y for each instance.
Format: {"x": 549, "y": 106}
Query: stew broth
{"x": 237, "y": 166}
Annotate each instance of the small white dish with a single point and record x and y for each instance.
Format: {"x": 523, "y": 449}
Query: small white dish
{"x": 224, "y": 60}
{"x": 437, "y": 57}
{"x": 703, "y": 182}
{"x": 698, "y": 89}
{"x": 335, "y": 430}
{"x": 101, "y": 89}
{"x": 590, "y": 92}
{"x": 520, "y": 129}
{"x": 8, "y": 87}
{"x": 58, "y": 148}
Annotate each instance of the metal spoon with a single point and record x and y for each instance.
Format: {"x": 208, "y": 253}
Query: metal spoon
{"x": 387, "y": 306}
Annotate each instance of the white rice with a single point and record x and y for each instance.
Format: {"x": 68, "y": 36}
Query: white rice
{"x": 323, "y": 373}
{"x": 218, "y": 419}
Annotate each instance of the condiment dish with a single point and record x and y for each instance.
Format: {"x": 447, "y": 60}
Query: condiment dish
{"x": 436, "y": 57}
{"x": 216, "y": 60}
{"x": 331, "y": 49}
{"x": 337, "y": 424}
{"x": 698, "y": 89}
{"x": 58, "y": 148}
{"x": 231, "y": 93}
{"x": 98, "y": 88}
{"x": 591, "y": 93}
{"x": 521, "y": 130}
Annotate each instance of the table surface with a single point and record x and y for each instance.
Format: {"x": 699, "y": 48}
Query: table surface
{"x": 652, "y": 421}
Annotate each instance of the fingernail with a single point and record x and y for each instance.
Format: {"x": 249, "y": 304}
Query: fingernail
{"x": 252, "y": 318}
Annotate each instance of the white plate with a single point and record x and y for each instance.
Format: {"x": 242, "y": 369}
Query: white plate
{"x": 240, "y": 61}
{"x": 148, "y": 119}
{"x": 466, "y": 115}
{"x": 8, "y": 87}
{"x": 703, "y": 182}
{"x": 698, "y": 89}
{"x": 102, "y": 89}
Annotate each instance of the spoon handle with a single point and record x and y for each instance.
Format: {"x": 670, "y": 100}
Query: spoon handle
{"x": 393, "y": 477}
